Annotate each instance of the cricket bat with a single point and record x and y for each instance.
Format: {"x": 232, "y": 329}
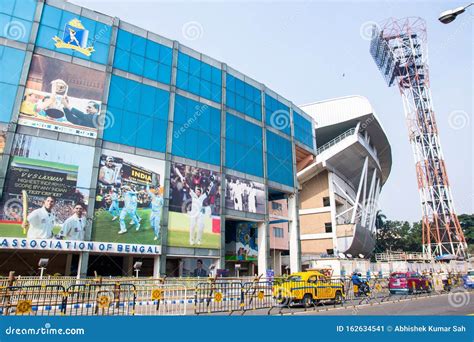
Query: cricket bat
{"x": 24, "y": 199}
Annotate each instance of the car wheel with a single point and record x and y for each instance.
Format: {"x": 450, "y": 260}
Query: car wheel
{"x": 307, "y": 300}
{"x": 338, "y": 298}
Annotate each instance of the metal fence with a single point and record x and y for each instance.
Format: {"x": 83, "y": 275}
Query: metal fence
{"x": 182, "y": 296}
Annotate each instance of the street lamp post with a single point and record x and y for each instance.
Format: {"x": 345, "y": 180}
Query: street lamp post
{"x": 448, "y": 16}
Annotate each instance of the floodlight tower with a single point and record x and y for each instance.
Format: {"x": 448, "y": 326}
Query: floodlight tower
{"x": 399, "y": 48}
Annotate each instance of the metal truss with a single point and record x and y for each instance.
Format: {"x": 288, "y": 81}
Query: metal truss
{"x": 363, "y": 207}
{"x": 399, "y": 48}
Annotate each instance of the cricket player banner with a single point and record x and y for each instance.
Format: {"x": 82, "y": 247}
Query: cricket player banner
{"x": 244, "y": 195}
{"x": 62, "y": 97}
{"x": 46, "y": 190}
{"x": 129, "y": 200}
{"x": 194, "y": 207}
{"x": 246, "y": 242}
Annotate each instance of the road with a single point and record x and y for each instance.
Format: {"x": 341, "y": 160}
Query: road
{"x": 461, "y": 303}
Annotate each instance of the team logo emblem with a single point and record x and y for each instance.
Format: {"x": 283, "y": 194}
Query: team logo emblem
{"x": 75, "y": 38}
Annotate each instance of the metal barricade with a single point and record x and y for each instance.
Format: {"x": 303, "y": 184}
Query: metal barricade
{"x": 161, "y": 299}
{"x": 258, "y": 295}
{"x": 218, "y": 296}
{"x": 101, "y": 299}
{"x": 47, "y": 300}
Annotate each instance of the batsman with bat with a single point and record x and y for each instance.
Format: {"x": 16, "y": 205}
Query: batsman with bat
{"x": 40, "y": 222}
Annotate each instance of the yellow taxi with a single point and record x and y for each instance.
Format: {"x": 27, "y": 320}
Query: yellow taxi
{"x": 309, "y": 288}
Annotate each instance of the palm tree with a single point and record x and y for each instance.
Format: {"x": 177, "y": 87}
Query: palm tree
{"x": 380, "y": 219}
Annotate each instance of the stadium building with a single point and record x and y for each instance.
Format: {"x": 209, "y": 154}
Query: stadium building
{"x": 340, "y": 187}
{"x": 119, "y": 145}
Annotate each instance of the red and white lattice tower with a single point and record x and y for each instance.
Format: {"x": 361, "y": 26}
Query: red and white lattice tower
{"x": 399, "y": 48}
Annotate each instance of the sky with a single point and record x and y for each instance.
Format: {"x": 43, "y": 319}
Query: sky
{"x": 315, "y": 50}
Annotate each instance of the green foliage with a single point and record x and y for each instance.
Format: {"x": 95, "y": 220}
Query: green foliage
{"x": 403, "y": 236}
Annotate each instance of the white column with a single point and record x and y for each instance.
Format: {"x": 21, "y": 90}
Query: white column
{"x": 156, "y": 266}
{"x": 263, "y": 248}
{"x": 332, "y": 201}
{"x": 295, "y": 243}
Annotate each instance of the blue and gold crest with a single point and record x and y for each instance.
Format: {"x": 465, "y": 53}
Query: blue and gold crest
{"x": 75, "y": 37}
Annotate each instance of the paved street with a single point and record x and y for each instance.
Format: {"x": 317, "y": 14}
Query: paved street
{"x": 446, "y": 304}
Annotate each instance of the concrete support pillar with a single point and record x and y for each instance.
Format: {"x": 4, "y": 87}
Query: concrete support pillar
{"x": 67, "y": 270}
{"x": 127, "y": 266}
{"x": 156, "y": 266}
{"x": 295, "y": 243}
{"x": 263, "y": 248}
{"x": 83, "y": 264}
{"x": 275, "y": 255}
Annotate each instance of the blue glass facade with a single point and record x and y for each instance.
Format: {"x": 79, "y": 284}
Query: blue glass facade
{"x": 11, "y": 64}
{"x": 52, "y": 24}
{"x": 243, "y": 146}
{"x": 137, "y": 115}
{"x": 243, "y": 97}
{"x": 143, "y": 57}
{"x": 303, "y": 130}
{"x": 196, "y": 131}
{"x": 279, "y": 159}
{"x": 199, "y": 78}
{"x": 277, "y": 115}
{"x": 16, "y": 19}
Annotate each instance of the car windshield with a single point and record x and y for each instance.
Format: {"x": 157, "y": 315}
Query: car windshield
{"x": 398, "y": 275}
{"x": 294, "y": 278}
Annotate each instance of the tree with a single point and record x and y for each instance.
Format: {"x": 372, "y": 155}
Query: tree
{"x": 467, "y": 224}
{"x": 403, "y": 236}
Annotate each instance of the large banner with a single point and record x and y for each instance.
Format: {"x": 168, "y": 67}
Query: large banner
{"x": 194, "y": 207}
{"x": 46, "y": 190}
{"x": 246, "y": 242}
{"x": 129, "y": 201}
{"x": 62, "y": 97}
{"x": 244, "y": 195}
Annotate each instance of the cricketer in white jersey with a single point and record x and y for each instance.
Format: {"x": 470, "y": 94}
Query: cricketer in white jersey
{"x": 114, "y": 208}
{"x": 75, "y": 226}
{"x": 41, "y": 221}
{"x": 156, "y": 209}
{"x": 196, "y": 216}
{"x": 108, "y": 172}
{"x": 129, "y": 208}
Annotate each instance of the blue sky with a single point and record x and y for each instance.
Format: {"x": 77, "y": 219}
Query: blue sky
{"x": 302, "y": 49}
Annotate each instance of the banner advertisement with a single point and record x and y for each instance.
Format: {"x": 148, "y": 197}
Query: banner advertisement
{"x": 129, "y": 201}
{"x": 246, "y": 242}
{"x": 46, "y": 191}
{"x": 62, "y": 97}
{"x": 244, "y": 195}
{"x": 194, "y": 209}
